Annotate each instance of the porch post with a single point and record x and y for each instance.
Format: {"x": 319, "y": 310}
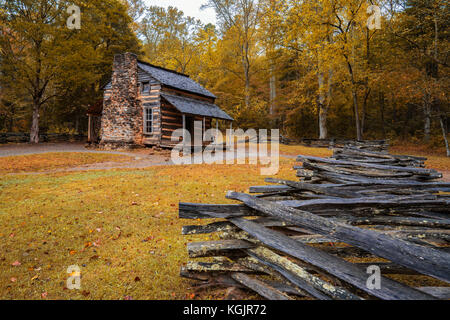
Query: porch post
{"x": 204, "y": 128}
{"x": 184, "y": 130}
{"x": 217, "y": 131}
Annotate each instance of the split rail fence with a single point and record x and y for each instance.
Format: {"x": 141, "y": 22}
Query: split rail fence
{"x": 326, "y": 235}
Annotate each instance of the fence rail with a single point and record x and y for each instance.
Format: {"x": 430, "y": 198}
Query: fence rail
{"x": 12, "y": 137}
{"x": 316, "y": 237}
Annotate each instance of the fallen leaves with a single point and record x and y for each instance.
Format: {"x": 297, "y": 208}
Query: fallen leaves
{"x": 87, "y": 244}
{"x": 56, "y": 160}
{"x": 154, "y": 246}
{"x": 150, "y": 238}
{"x": 118, "y": 236}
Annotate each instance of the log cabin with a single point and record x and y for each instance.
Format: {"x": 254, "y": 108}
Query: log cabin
{"x": 144, "y": 104}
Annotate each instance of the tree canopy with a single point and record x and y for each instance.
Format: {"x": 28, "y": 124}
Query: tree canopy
{"x": 329, "y": 68}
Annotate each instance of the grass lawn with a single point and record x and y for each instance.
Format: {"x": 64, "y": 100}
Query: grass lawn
{"x": 436, "y": 160}
{"x": 120, "y": 227}
{"x": 294, "y": 150}
{"x": 54, "y": 160}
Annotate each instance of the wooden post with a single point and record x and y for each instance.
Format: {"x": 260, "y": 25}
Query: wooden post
{"x": 184, "y": 130}
{"x": 204, "y": 129}
{"x": 231, "y": 130}
{"x": 217, "y": 131}
{"x": 90, "y": 128}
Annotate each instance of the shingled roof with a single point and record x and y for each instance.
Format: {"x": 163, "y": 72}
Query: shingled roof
{"x": 197, "y": 107}
{"x": 174, "y": 79}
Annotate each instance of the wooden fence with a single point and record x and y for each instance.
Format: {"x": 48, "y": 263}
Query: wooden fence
{"x": 11, "y": 137}
{"x": 317, "y": 237}
{"x": 376, "y": 145}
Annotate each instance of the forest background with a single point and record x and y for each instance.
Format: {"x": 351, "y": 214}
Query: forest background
{"x": 312, "y": 68}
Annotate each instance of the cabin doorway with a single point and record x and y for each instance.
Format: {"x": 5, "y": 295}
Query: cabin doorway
{"x": 190, "y": 128}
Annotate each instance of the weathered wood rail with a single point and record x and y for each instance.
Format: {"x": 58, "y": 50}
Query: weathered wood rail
{"x": 374, "y": 145}
{"x": 10, "y": 137}
{"x": 317, "y": 237}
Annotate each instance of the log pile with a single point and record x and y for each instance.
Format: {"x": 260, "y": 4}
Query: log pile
{"x": 373, "y": 145}
{"x": 322, "y": 236}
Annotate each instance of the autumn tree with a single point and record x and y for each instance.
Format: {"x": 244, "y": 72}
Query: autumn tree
{"x": 421, "y": 29}
{"x": 169, "y": 38}
{"x": 45, "y": 60}
{"x": 272, "y": 28}
{"x": 240, "y": 18}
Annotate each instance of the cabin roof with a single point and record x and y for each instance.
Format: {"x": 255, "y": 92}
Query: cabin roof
{"x": 196, "y": 107}
{"x": 174, "y": 79}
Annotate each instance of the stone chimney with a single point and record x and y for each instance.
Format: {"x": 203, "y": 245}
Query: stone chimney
{"x": 122, "y": 122}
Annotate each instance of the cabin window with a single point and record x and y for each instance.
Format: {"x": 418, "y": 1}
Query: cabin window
{"x": 148, "y": 120}
{"x": 146, "y": 87}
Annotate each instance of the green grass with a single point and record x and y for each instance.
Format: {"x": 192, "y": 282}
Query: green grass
{"x": 120, "y": 226}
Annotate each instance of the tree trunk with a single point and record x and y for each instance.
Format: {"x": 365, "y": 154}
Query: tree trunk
{"x": 367, "y": 89}
{"x": 427, "y": 117}
{"x": 354, "y": 88}
{"x": 321, "y": 108}
{"x": 383, "y": 125}
{"x": 37, "y": 96}
{"x": 323, "y": 115}
{"x": 11, "y": 119}
{"x": 364, "y": 110}
{"x": 324, "y": 102}
{"x": 273, "y": 88}
{"x": 246, "y": 66}
{"x": 77, "y": 124}
{"x": 355, "y": 104}
{"x": 444, "y": 134}
{"x": 34, "y": 132}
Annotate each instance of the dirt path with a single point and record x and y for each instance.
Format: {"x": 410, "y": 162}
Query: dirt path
{"x": 135, "y": 164}
{"x": 140, "y": 158}
{"x": 19, "y": 149}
